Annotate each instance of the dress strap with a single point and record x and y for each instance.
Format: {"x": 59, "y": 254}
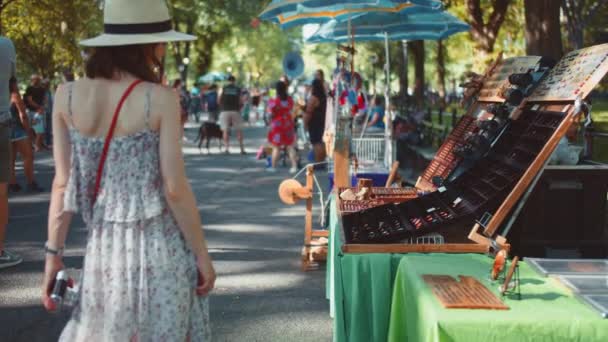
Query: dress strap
{"x": 147, "y": 105}
{"x": 106, "y": 145}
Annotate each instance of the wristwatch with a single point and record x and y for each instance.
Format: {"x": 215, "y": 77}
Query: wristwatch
{"x": 56, "y": 252}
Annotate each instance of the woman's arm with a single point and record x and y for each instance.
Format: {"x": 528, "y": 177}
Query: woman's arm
{"x": 177, "y": 189}
{"x": 313, "y": 102}
{"x": 18, "y": 101}
{"x": 59, "y": 220}
{"x": 375, "y": 117}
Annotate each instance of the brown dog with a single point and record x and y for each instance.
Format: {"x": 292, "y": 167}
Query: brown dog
{"x": 207, "y": 131}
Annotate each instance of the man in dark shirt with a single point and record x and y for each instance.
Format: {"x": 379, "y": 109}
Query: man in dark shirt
{"x": 230, "y": 116}
{"x": 34, "y": 95}
{"x": 35, "y": 99}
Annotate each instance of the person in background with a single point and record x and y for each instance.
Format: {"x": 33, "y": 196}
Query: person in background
{"x": 21, "y": 143}
{"x": 8, "y": 62}
{"x": 211, "y": 104}
{"x": 255, "y": 103}
{"x": 184, "y": 102}
{"x": 48, "y": 105}
{"x": 314, "y": 119}
{"x": 285, "y": 79}
{"x": 282, "y": 130}
{"x": 375, "y": 121}
{"x": 196, "y": 104}
{"x": 35, "y": 97}
{"x": 320, "y": 75}
{"x": 246, "y": 110}
{"x": 231, "y": 103}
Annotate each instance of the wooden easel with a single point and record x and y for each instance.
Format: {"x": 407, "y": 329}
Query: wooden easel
{"x": 570, "y": 81}
{"x": 314, "y": 250}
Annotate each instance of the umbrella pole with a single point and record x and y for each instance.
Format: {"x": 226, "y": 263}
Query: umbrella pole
{"x": 388, "y": 151}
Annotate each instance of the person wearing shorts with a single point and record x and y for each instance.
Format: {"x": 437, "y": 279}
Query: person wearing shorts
{"x": 314, "y": 119}
{"x": 8, "y": 62}
{"x": 230, "y": 116}
{"x": 34, "y": 97}
{"x": 20, "y": 143}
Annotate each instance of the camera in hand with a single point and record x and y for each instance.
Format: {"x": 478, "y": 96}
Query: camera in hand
{"x": 65, "y": 289}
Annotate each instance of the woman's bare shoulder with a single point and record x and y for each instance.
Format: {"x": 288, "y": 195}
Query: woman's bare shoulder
{"x": 163, "y": 97}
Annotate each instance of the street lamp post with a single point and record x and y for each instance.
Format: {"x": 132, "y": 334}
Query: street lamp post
{"x": 183, "y": 69}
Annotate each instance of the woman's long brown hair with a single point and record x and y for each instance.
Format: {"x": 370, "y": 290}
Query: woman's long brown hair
{"x": 105, "y": 61}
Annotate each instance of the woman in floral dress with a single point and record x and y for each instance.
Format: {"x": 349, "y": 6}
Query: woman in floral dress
{"x": 282, "y": 129}
{"x": 147, "y": 271}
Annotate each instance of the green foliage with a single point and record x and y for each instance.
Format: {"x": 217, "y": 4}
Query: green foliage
{"x": 255, "y": 55}
{"x": 46, "y": 33}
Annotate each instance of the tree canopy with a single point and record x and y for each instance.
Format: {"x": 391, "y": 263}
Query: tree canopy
{"x": 46, "y": 35}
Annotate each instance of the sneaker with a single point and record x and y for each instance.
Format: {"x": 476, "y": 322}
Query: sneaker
{"x": 34, "y": 187}
{"x": 271, "y": 169}
{"x": 293, "y": 170}
{"x": 14, "y": 188}
{"x": 8, "y": 259}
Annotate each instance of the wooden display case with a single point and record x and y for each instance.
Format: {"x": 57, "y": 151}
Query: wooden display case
{"x": 494, "y": 184}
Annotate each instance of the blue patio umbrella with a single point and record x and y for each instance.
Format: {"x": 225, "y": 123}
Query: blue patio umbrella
{"x": 390, "y": 26}
{"x": 213, "y": 76}
{"x": 290, "y": 13}
{"x": 397, "y": 26}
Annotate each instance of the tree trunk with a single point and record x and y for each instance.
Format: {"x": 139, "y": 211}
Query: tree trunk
{"x": 578, "y": 14}
{"x": 441, "y": 72}
{"x": 418, "y": 52}
{"x": 543, "y": 35}
{"x": 403, "y": 81}
{"x": 485, "y": 33}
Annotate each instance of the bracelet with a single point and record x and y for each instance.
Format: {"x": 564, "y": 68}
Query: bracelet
{"x": 56, "y": 252}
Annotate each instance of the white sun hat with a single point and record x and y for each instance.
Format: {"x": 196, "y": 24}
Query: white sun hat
{"x": 130, "y": 22}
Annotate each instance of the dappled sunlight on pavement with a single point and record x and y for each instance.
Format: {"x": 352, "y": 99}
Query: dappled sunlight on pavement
{"x": 255, "y": 241}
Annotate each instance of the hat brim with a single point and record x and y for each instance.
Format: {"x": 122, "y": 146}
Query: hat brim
{"x": 133, "y": 39}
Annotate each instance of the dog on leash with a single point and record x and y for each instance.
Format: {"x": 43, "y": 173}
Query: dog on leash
{"x": 209, "y": 130}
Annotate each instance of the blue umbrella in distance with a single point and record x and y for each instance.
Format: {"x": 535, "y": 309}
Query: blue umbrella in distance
{"x": 290, "y": 13}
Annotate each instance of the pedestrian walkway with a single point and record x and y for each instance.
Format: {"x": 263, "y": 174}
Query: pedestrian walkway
{"x": 255, "y": 241}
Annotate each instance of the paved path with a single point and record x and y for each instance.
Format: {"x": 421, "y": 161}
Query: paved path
{"x": 255, "y": 241}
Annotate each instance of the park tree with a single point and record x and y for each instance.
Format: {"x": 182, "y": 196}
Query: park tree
{"x": 212, "y": 21}
{"x": 484, "y": 31}
{"x": 256, "y": 54}
{"x": 543, "y": 35}
{"x": 46, "y": 32}
{"x": 4, "y": 5}
{"x": 417, "y": 48}
{"x": 579, "y": 15}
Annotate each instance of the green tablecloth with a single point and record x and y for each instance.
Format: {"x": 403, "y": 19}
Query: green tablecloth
{"x": 359, "y": 288}
{"x": 546, "y": 312}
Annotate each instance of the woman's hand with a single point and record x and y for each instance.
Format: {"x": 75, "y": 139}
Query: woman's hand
{"x": 206, "y": 275}
{"x": 52, "y": 265}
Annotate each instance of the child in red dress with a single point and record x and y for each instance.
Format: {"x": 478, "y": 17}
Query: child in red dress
{"x": 282, "y": 129}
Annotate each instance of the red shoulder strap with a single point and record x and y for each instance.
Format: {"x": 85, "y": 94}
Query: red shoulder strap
{"x": 106, "y": 146}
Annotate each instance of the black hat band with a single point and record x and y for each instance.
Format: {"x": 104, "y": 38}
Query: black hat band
{"x": 157, "y": 27}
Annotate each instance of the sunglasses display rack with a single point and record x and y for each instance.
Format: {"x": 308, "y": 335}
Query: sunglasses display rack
{"x": 445, "y": 160}
{"x": 379, "y": 196}
{"x": 552, "y": 107}
{"x": 494, "y": 184}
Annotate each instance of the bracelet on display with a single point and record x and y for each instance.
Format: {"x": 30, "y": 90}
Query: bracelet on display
{"x": 52, "y": 251}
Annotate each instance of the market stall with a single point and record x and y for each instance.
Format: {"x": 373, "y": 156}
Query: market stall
{"x": 360, "y": 276}
{"x": 547, "y": 311}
